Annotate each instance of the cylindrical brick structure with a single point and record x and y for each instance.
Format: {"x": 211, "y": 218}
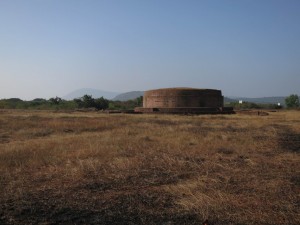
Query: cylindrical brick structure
{"x": 182, "y": 98}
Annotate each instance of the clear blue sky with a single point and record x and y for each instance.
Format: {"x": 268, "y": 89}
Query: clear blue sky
{"x": 247, "y": 48}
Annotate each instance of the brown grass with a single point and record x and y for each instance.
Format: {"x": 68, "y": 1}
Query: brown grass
{"x": 92, "y": 168}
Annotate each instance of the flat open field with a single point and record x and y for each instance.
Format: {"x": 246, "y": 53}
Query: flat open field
{"x": 93, "y": 168}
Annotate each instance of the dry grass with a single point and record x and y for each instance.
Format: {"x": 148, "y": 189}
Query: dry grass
{"x": 91, "y": 168}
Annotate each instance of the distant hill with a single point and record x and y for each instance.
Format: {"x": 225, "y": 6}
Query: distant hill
{"x": 135, "y": 94}
{"x": 227, "y": 100}
{"x": 128, "y": 96}
{"x": 266, "y": 100}
{"x": 89, "y": 91}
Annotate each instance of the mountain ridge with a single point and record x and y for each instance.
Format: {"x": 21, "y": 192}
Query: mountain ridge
{"x": 263, "y": 100}
{"x": 96, "y": 93}
{"x": 128, "y": 96}
{"x": 117, "y": 96}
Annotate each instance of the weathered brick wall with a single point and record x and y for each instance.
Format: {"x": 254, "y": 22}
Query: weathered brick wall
{"x": 182, "y": 97}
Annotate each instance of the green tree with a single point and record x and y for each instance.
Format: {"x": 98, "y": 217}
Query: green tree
{"x": 101, "y": 103}
{"x": 292, "y": 101}
{"x": 78, "y": 102}
{"x": 55, "y": 100}
{"x": 88, "y": 101}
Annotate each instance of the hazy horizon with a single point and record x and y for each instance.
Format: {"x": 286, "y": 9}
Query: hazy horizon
{"x": 115, "y": 94}
{"x": 244, "y": 48}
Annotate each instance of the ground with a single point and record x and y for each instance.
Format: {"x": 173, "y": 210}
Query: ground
{"x": 96, "y": 168}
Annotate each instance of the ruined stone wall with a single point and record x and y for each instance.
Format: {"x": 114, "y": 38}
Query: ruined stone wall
{"x": 182, "y": 97}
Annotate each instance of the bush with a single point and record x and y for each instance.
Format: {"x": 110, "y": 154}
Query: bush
{"x": 87, "y": 101}
{"x": 101, "y": 103}
{"x": 126, "y": 105}
{"x": 292, "y": 101}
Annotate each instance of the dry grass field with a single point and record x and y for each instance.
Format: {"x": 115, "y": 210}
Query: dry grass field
{"x": 93, "y": 168}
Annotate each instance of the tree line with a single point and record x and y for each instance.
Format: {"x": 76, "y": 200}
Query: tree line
{"x": 87, "y": 101}
{"x": 84, "y": 102}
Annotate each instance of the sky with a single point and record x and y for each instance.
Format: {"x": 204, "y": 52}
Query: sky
{"x": 248, "y": 48}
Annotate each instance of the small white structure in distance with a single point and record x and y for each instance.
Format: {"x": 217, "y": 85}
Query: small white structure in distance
{"x": 240, "y": 101}
{"x": 278, "y": 104}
